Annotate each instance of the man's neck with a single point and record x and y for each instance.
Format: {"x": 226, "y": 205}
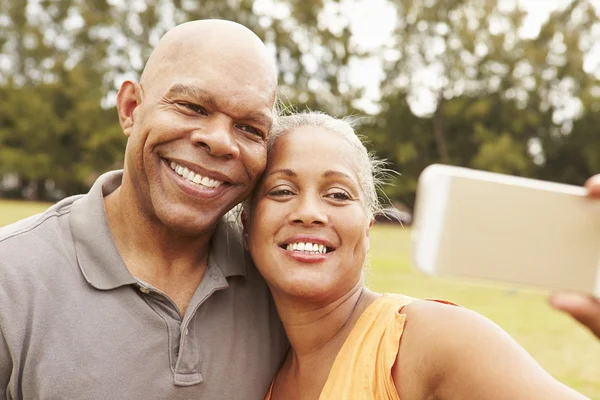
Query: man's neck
{"x": 152, "y": 252}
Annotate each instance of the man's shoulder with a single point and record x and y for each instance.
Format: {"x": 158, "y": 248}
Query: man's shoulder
{"x": 38, "y": 238}
{"x": 36, "y": 224}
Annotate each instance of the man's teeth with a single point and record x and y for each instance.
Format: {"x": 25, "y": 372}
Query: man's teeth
{"x": 194, "y": 177}
{"x": 307, "y": 247}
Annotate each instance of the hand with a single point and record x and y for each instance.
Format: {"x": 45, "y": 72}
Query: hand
{"x": 585, "y": 309}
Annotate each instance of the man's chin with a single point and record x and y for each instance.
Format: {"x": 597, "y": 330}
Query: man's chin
{"x": 192, "y": 227}
{"x": 190, "y": 222}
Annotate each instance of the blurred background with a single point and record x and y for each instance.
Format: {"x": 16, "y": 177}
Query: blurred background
{"x": 510, "y": 86}
{"x": 501, "y": 85}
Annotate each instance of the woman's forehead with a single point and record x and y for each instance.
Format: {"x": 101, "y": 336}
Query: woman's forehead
{"x": 315, "y": 153}
{"x": 311, "y": 147}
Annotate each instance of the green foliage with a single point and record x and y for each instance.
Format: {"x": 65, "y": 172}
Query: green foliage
{"x": 68, "y": 57}
{"x": 501, "y": 102}
{"x": 497, "y": 101}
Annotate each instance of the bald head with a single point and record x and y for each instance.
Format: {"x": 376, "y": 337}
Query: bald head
{"x": 217, "y": 43}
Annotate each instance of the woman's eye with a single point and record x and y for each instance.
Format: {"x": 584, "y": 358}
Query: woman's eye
{"x": 195, "y": 108}
{"x": 340, "y": 196}
{"x": 281, "y": 192}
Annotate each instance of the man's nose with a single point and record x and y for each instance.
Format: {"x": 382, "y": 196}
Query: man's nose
{"x": 217, "y": 137}
{"x": 310, "y": 211}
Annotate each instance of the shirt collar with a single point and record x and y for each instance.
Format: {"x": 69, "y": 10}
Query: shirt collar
{"x": 98, "y": 257}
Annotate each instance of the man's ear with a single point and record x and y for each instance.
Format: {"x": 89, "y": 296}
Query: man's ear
{"x": 128, "y": 98}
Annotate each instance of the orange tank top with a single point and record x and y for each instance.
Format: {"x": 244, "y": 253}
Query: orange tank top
{"x": 362, "y": 370}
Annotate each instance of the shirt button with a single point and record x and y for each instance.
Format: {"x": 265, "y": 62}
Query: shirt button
{"x": 186, "y": 331}
{"x": 144, "y": 290}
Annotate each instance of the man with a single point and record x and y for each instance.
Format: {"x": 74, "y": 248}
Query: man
{"x": 585, "y": 309}
{"x": 140, "y": 289}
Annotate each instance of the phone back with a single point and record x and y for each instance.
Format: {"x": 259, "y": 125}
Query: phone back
{"x": 492, "y": 226}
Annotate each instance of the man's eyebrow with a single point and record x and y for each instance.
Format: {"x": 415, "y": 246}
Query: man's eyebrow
{"x": 194, "y": 92}
{"x": 198, "y": 93}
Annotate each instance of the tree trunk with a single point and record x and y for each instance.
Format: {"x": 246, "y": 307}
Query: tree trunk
{"x": 438, "y": 131}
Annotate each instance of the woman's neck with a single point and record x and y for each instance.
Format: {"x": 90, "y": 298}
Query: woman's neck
{"x": 315, "y": 329}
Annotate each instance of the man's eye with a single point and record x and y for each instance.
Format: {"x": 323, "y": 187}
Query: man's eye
{"x": 251, "y": 130}
{"x": 195, "y": 108}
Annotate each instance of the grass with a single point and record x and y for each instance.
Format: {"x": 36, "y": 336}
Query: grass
{"x": 565, "y": 349}
{"x": 12, "y": 211}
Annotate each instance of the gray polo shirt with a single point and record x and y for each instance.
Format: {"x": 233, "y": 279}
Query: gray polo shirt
{"x": 75, "y": 324}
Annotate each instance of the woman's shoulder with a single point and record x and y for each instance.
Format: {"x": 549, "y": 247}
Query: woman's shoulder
{"x": 442, "y": 342}
{"x": 433, "y": 318}
{"x": 419, "y": 306}
{"x": 433, "y": 337}
{"x": 445, "y": 329}
{"x": 427, "y": 320}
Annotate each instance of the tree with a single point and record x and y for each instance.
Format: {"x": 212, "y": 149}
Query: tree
{"x": 495, "y": 100}
{"x": 68, "y": 57}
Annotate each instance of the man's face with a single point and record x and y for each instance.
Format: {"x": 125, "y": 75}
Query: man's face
{"x": 197, "y": 144}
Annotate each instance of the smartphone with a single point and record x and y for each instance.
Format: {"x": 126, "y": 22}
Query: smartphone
{"x": 492, "y": 226}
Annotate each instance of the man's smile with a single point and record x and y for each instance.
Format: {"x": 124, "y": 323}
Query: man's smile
{"x": 195, "y": 184}
{"x": 194, "y": 177}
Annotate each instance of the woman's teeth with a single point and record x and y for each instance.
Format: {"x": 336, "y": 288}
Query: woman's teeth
{"x": 194, "y": 177}
{"x": 311, "y": 248}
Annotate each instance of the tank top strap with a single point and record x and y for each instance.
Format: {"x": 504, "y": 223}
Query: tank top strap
{"x": 362, "y": 368}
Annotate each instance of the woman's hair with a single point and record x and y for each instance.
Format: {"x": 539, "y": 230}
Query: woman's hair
{"x": 369, "y": 169}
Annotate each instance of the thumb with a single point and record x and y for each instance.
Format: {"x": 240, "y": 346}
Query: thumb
{"x": 593, "y": 186}
{"x": 585, "y": 309}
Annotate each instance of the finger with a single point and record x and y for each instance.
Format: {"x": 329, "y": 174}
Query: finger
{"x": 593, "y": 185}
{"x": 585, "y": 309}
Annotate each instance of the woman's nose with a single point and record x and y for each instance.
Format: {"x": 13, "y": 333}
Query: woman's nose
{"x": 310, "y": 211}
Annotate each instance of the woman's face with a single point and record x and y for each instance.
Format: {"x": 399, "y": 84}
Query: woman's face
{"x": 308, "y": 228}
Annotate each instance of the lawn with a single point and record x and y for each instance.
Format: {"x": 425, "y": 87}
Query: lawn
{"x": 11, "y": 211}
{"x": 562, "y": 347}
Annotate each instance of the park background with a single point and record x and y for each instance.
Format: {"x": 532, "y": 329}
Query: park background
{"x": 500, "y": 85}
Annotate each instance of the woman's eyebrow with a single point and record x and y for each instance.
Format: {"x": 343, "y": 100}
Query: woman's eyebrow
{"x": 284, "y": 171}
{"x": 337, "y": 174}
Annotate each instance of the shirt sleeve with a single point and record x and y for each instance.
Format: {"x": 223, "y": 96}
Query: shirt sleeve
{"x": 6, "y": 365}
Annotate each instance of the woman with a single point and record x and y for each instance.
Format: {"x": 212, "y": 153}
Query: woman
{"x": 307, "y": 230}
